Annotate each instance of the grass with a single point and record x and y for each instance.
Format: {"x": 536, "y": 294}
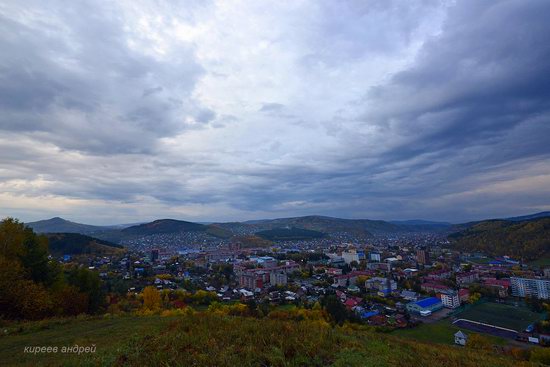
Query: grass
{"x": 107, "y": 334}
{"x": 498, "y": 314}
{"x": 210, "y": 339}
{"x": 441, "y": 332}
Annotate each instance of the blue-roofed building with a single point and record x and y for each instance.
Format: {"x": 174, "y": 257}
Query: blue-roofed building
{"x": 426, "y": 305}
{"x": 367, "y": 314}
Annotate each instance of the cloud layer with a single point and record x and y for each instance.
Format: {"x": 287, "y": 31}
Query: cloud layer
{"x": 128, "y": 111}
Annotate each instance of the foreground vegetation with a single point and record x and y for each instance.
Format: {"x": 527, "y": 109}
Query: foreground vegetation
{"x": 214, "y": 338}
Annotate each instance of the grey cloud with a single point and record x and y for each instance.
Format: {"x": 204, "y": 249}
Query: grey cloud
{"x": 272, "y": 107}
{"x": 73, "y": 78}
{"x": 86, "y": 113}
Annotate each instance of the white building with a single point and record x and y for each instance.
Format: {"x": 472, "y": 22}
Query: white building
{"x": 530, "y": 287}
{"x": 461, "y": 338}
{"x": 450, "y": 299}
{"x": 350, "y": 256}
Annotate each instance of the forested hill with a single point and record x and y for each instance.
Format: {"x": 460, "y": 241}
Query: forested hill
{"x": 75, "y": 244}
{"x": 526, "y": 239}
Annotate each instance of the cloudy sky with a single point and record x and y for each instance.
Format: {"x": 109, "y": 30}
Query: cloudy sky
{"x": 125, "y": 111}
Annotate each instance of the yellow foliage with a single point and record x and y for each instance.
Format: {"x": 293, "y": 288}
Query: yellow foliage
{"x": 151, "y": 298}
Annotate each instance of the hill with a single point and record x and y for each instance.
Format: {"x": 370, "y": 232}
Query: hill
{"x": 358, "y": 227}
{"x": 529, "y": 217}
{"x": 289, "y": 234}
{"x": 60, "y": 225}
{"x": 207, "y": 339}
{"x": 76, "y": 244}
{"x": 525, "y": 239}
{"x": 163, "y": 226}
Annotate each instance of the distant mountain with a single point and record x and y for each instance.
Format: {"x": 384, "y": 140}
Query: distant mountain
{"x": 528, "y": 239}
{"x": 529, "y": 217}
{"x": 164, "y": 226}
{"x": 57, "y": 225}
{"x": 361, "y": 227}
{"x": 76, "y": 244}
{"x": 289, "y": 234}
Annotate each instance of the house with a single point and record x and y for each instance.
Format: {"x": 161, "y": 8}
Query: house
{"x": 333, "y": 271}
{"x": 499, "y": 286}
{"x": 352, "y": 302}
{"x": 425, "y": 306}
{"x": 463, "y": 295}
{"x": 460, "y": 338}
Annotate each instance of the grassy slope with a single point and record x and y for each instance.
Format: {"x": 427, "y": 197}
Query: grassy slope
{"x": 107, "y": 334}
{"x": 441, "y": 332}
{"x": 212, "y": 340}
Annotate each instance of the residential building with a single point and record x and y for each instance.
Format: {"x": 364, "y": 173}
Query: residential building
{"x": 467, "y": 278}
{"x": 440, "y": 274}
{"x": 254, "y": 279}
{"x": 384, "y": 285}
{"x": 375, "y": 257}
{"x": 422, "y": 257}
{"x": 434, "y": 287}
{"x": 530, "y": 287}
{"x": 350, "y": 256}
{"x": 409, "y": 295}
{"x": 278, "y": 278}
{"x": 450, "y": 299}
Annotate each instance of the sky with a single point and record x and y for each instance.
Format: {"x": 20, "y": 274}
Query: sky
{"x": 128, "y": 111}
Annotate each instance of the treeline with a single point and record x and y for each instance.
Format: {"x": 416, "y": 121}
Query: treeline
{"x": 33, "y": 286}
{"x": 528, "y": 239}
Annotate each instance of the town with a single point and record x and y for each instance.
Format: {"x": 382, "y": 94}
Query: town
{"x": 399, "y": 284}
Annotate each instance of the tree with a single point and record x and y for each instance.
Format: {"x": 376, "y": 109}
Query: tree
{"x": 335, "y": 309}
{"x": 151, "y": 298}
{"x": 88, "y": 282}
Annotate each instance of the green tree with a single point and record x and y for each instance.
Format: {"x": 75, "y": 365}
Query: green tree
{"x": 335, "y": 309}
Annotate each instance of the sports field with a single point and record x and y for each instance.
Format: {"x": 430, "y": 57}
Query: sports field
{"x": 498, "y": 314}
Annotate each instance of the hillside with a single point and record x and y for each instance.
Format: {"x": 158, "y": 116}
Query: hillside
{"x": 60, "y": 225}
{"x": 208, "y": 339}
{"x": 358, "y": 227}
{"x": 76, "y": 244}
{"x": 529, "y": 216}
{"x": 526, "y": 239}
{"x": 289, "y": 234}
